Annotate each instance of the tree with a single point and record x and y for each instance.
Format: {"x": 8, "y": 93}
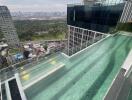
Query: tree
{"x": 26, "y": 29}
{"x": 55, "y": 30}
{"x": 26, "y": 35}
{"x": 45, "y": 46}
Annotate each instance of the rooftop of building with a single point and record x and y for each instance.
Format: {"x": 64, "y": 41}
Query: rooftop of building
{"x": 87, "y": 74}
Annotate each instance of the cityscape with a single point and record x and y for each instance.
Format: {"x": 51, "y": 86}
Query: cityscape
{"x": 66, "y": 50}
{"x": 38, "y": 15}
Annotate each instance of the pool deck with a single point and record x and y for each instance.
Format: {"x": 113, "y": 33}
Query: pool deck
{"x": 87, "y": 75}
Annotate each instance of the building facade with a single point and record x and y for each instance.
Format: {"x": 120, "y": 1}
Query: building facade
{"x": 7, "y": 27}
{"x": 88, "y": 24}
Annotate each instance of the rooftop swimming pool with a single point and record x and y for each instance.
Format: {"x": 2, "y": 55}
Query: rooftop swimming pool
{"x": 85, "y": 76}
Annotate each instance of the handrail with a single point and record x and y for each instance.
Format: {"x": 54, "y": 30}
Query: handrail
{"x": 88, "y": 30}
{"x": 87, "y": 43}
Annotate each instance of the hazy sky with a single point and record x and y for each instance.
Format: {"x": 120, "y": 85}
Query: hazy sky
{"x": 37, "y": 5}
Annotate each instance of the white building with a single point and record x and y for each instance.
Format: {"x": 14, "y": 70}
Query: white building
{"x": 7, "y": 27}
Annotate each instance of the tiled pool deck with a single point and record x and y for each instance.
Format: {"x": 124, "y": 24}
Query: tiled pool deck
{"x": 86, "y": 76}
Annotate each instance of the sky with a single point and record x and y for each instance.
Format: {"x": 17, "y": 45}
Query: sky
{"x": 37, "y": 5}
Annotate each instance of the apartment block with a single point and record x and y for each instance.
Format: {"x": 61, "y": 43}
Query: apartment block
{"x": 7, "y": 27}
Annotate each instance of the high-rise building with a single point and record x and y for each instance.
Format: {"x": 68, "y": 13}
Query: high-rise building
{"x": 7, "y": 27}
{"x": 88, "y": 24}
{"x": 127, "y": 12}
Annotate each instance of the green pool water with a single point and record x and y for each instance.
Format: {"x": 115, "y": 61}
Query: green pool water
{"x": 130, "y": 95}
{"x": 29, "y": 75}
{"x": 86, "y": 76}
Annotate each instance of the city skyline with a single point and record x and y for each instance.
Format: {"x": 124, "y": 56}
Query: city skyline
{"x": 37, "y": 5}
